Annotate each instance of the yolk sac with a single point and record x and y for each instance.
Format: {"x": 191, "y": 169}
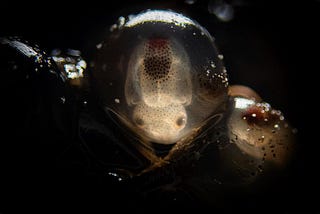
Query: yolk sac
{"x": 161, "y": 74}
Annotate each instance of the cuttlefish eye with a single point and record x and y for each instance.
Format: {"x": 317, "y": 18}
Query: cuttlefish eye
{"x": 161, "y": 74}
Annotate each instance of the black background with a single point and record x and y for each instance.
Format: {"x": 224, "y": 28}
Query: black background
{"x": 269, "y": 46}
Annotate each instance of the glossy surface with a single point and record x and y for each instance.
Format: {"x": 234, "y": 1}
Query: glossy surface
{"x": 97, "y": 154}
{"x": 261, "y": 131}
{"x": 165, "y": 74}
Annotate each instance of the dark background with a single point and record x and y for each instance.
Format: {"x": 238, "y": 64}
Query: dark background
{"x": 268, "y": 45}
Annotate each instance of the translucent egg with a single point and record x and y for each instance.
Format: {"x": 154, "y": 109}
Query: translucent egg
{"x": 161, "y": 74}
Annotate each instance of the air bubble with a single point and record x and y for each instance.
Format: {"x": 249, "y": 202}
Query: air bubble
{"x": 63, "y": 100}
{"x": 115, "y": 175}
{"x": 223, "y": 11}
{"x": 98, "y": 46}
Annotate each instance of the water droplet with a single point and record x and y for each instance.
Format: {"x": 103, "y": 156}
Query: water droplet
{"x": 99, "y": 45}
{"x": 220, "y": 56}
{"x": 63, "y": 99}
{"x": 115, "y": 175}
{"x": 113, "y": 27}
{"x": 223, "y": 11}
{"x": 261, "y": 139}
{"x": 121, "y": 21}
{"x": 276, "y": 126}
